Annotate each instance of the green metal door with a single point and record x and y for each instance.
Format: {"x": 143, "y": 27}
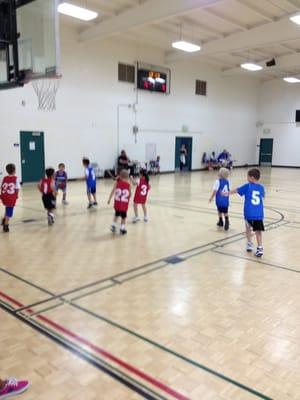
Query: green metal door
{"x": 32, "y": 156}
{"x": 188, "y": 141}
{"x": 266, "y": 152}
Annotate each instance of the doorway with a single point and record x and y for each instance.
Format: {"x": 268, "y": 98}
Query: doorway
{"x": 266, "y": 152}
{"x": 32, "y": 156}
{"x": 188, "y": 141}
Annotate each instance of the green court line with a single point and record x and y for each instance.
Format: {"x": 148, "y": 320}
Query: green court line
{"x": 174, "y": 353}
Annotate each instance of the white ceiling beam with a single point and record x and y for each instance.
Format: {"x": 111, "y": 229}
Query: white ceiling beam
{"x": 282, "y": 62}
{"x": 256, "y": 10}
{"x": 265, "y": 35}
{"x": 144, "y": 14}
{"x": 225, "y": 18}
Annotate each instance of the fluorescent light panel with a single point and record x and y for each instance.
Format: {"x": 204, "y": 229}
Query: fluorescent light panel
{"x": 251, "y": 67}
{"x": 291, "y": 79}
{"x": 295, "y": 19}
{"x": 186, "y": 46}
{"x": 77, "y": 12}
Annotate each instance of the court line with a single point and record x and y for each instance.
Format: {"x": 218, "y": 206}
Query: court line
{"x": 84, "y": 355}
{"x": 216, "y": 243}
{"x": 100, "y": 351}
{"x": 255, "y": 260}
{"x": 83, "y": 341}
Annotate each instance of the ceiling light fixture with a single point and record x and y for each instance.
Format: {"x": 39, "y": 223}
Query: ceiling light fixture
{"x": 186, "y": 46}
{"x": 295, "y": 18}
{"x": 77, "y": 12}
{"x": 251, "y": 66}
{"x": 291, "y": 79}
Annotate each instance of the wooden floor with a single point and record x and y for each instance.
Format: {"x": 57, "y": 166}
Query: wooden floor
{"x": 174, "y": 310}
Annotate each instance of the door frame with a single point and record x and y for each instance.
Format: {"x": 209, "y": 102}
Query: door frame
{"x": 190, "y": 154}
{"x": 40, "y": 134}
{"x": 260, "y": 152}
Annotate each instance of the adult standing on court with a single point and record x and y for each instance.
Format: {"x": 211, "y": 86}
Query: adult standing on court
{"x": 183, "y": 155}
{"x": 124, "y": 162}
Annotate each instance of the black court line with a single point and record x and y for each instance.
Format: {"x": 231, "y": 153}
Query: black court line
{"x": 217, "y": 243}
{"x": 257, "y": 261}
{"x": 95, "y": 361}
{"x": 175, "y": 354}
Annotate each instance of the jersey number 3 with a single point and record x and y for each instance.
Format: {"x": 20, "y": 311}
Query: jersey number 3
{"x": 255, "y": 200}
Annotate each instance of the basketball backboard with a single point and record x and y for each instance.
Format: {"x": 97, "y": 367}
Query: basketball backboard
{"x": 37, "y": 53}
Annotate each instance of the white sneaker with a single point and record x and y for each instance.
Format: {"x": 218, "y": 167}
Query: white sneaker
{"x": 135, "y": 220}
{"x": 146, "y": 219}
{"x": 259, "y": 252}
{"x": 65, "y": 203}
{"x": 249, "y": 247}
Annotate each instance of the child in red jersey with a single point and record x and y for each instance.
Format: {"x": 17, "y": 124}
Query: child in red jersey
{"x": 140, "y": 196}
{"x": 9, "y": 193}
{"x": 47, "y": 187}
{"x": 122, "y": 193}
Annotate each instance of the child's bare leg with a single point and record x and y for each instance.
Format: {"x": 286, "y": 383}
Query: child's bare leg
{"x": 220, "y": 215}
{"x": 6, "y": 220}
{"x": 258, "y": 235}
{"x": 248, "y": 232}
{"x": 2, "y": 384}
{"x": 95, "y": 198}
{"x": 135, "y": 208}
{"x": 64, "y": 196}
{"x": 89, "y": 198}
{"x": 144, "y": 210}
{"x": 122, "y": 228}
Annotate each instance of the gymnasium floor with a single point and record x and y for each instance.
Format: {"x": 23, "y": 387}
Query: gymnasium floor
{"x": 174, "y": 310}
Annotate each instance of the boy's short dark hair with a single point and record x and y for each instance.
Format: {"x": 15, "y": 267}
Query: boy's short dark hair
{"x": 254, "y": 173}
{"x": 61, "y": 165}
{"x": 49, "y": 172}
{"x": 85, "y": 161}
{"x": 10, "y": 169}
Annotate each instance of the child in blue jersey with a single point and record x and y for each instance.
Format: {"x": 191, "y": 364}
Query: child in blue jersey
{"x": 61, "y": 180}
{"x": 90, "y": 178}
{"x": 222, "y": 186}
{"x": 254, "y": 194}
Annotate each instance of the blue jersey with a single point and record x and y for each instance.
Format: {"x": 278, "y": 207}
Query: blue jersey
{"x": 90, "y": 177}
{"x": 221, "y": 186}
{"x": 254, "y": 194}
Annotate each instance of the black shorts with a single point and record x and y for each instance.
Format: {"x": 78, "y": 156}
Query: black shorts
{"x": 223, "y": 210}
{"x": 257, "y": 225}
{"x": 122, "y": 214}
{"x": 49, "y": 201}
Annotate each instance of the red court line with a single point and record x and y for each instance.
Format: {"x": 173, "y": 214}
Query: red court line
{"x": 161, "y": 386}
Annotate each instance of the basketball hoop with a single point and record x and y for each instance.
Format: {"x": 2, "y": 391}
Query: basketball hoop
{"x": 46, "y": 89}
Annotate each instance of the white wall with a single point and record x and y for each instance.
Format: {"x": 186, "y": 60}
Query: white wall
{"x": 278, "y": 104}
{"x": 85, "y": 121}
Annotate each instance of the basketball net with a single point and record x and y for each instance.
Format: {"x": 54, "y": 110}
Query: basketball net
{"x": 46, "y": 89}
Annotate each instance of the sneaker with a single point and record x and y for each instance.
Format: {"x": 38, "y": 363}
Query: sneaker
{"x": 13, "y": 387}
{"x": 50, "y": 219}
{"x": 113, "y": 229}
{"x": 65, "y": 203}
{"x": 249, "y": 247}
{"x": 145, "y": 219}
{"x": 5, "y": 228}
{"x": 135, "y": 220}
{"x": 259, "y": 252}
{"x": 90, "y": 205}
{"x": 226, "y": 226}
{"x": 123, "y": 231}
{"x": 95, "y": 203}
{"x": 220, "y": 223}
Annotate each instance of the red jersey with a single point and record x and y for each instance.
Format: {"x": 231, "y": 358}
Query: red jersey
{"x": 141, "y": 191}
{"x": 122, "y": 195}
{"x": 9, "y": 190}
{"x": 47, "y": 186}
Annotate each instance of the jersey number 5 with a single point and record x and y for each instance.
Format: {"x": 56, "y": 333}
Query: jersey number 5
{"x": 255, "y": 198}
